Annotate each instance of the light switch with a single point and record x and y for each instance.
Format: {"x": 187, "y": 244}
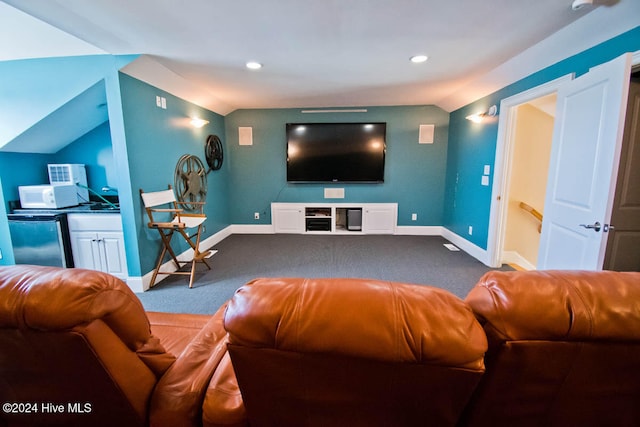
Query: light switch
{"x": 485, "y": 180}
{"x": 487, "y": 169}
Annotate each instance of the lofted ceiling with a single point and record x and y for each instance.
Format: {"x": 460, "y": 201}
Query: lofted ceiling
{"x": 326, "y": 53}
{"x": 329, "y": 53}
{"x": 91, "y": 105}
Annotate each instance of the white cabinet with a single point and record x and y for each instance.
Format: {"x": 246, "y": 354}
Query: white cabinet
{"x": 338, "y": 218}
{"x": 379, "y": 218}
{"x": 97, "y": 243}
{"x": 287, "y": 218}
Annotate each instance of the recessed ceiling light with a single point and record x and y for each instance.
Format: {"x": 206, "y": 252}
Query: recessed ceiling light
{"x": 253, "y": 65}
{"x": 417, "y": 59}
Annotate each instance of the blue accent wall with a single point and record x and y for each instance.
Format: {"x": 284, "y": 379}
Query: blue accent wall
{"x": 156, "y": 139}
{"x": 414, "y": 173}
{"x": 472, "y": 145}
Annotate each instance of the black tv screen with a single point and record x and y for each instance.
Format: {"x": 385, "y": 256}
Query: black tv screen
{"x": 336, "y": 152}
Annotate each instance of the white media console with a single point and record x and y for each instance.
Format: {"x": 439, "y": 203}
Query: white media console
{"x": 337, "y": 218}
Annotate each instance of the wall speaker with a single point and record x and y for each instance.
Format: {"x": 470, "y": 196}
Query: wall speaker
{"x": 245, "y": 135}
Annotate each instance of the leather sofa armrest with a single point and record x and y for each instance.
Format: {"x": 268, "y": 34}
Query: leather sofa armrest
{"x": 178, "y": 396}
{"x": 223, "y": 405}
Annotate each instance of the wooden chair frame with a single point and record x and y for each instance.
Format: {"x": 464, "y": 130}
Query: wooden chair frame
{"x": 180, "y": 222}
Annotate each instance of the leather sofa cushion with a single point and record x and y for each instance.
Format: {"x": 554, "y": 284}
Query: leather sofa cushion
{"x": 566, "y": 305}
{"x": 176, "y": 330}
{"x": 372, "y": 319}
{"x": 32, "y": 297}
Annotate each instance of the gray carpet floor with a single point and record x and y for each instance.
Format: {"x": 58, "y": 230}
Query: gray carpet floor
{"x": 409, "y": 259}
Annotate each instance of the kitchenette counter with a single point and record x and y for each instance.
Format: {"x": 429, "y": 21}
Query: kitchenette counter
{"x": 87, "y": 208}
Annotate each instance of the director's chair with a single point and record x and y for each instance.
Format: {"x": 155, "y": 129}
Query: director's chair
{"x": 167, "y": 215}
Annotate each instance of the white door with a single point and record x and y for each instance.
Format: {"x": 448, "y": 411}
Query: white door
{"x": 582, "y": 171}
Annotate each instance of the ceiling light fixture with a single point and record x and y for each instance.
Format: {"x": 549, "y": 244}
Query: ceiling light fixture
{"x": 417, "y": 59}
{"x": 479, "y": 117}
{"x": 579, "y": 4}
{"x": 253, "y": 65}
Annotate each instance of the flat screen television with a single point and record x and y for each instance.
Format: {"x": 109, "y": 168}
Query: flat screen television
{"x": 336, "y": 152}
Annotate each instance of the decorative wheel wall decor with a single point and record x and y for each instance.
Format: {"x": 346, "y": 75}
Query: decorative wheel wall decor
{"x": 190, "y": 181}
{"x": 213, "y": 153}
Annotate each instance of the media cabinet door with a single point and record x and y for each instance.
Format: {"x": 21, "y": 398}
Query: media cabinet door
{"x": 288, "y": 218}
{"x": 379, "y": 219}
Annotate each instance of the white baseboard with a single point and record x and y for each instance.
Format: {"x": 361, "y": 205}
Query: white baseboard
{"x": 252, "y": 229}
{"x": 412, "y": 230}
{"x": 513, "y": 257}
{"x": 136, "y": 284}
{"x": 470, "y": 248}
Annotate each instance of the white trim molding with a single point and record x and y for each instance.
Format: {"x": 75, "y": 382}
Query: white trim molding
{"x": 475, "y": 251}
{"x": 412, "y": 230}
{"x": 502, "y": 162}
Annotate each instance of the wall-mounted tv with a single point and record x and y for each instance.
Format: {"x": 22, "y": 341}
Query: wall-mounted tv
{"x": 336, "y": 152}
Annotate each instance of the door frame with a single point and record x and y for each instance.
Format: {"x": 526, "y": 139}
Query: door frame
{"x": 502, "y": 164}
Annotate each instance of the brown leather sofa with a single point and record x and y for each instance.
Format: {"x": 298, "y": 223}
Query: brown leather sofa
{"x": 77, "y": 349}
{"x": 562, "y": 348}
{"x": 352, "y": 352}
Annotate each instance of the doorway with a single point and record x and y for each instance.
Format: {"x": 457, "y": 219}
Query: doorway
{"x": 522, "y": 158}
{"x": 499, "y": 216}
{"x": 527, "y": 181}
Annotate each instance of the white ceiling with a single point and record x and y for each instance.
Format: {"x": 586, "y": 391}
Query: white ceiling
{"x": 327, "y": 53}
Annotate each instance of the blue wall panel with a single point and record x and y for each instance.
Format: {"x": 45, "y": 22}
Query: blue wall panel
{"x": 156, "y": 139}
{"x": 414, "y": 173}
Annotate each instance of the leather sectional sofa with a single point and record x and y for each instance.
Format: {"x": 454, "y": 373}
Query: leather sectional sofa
{"x": 523, "y": 349}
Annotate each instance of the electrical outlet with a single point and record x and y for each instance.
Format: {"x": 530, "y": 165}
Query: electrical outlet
{"x": 414, "y": 217}
{"x": 0, "y": 253}
{"x": 470, "y": 230}
{"x": 256, "y": 215}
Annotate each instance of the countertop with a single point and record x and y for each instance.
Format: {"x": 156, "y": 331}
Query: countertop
{"x": 89, "y": 208}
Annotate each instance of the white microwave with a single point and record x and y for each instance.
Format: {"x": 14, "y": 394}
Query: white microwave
{"x": 47, "y": 196}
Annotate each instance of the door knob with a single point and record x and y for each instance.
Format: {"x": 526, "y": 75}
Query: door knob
{"x": 597, "y": 226}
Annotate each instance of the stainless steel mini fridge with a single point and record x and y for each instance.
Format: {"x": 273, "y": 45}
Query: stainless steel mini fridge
{"x": 40, "y": 239}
